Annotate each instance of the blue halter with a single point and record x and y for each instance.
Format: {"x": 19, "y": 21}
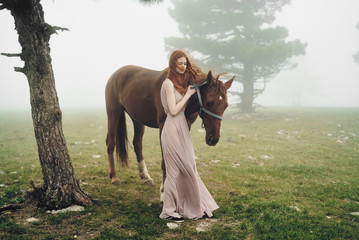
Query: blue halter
{"x": 201, "y": 107}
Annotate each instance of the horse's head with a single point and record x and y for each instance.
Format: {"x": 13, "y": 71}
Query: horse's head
{"x": 214, "y": 98}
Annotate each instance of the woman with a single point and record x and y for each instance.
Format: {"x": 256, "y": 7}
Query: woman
{"x": 185, "y": 195}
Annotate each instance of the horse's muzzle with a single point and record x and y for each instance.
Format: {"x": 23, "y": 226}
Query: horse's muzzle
{"x": 211, "y": 141}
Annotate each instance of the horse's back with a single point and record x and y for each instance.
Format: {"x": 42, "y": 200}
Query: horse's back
{"x": 137, "y": 90}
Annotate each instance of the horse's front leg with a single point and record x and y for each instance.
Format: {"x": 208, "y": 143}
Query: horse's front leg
{"x": 191, "y": 119}
{"x": 163, "y": 181}
{"x": 139, "y": 130}
{"x": 163, "y": 167}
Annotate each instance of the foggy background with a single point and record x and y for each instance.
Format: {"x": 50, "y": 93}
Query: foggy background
{"x": 108, "y": 34}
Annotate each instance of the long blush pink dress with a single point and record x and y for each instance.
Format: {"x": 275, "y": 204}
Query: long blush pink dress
{"x": 185, "y": 195}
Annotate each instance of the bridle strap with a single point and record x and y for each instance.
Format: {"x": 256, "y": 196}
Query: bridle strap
{"x": 201, "y": 107}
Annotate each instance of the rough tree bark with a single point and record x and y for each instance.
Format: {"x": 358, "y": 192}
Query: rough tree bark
{"x": 60, "y": 188}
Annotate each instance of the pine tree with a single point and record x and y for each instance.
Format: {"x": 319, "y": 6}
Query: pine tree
{"x": 236, "y": 37}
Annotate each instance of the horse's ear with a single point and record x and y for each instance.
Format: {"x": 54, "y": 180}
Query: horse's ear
{"x": 228, "y": 84}
{"x": 209, "y": 77}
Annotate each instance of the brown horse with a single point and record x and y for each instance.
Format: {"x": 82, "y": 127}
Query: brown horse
{"x": 136, "y": 91}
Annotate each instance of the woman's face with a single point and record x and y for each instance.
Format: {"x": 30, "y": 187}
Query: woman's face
{"x": 181, "y": 65}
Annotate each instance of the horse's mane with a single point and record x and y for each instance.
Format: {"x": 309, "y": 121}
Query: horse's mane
{"x": 202, "y": 77}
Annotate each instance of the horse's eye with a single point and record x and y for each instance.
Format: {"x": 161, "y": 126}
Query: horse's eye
{"x": 209, "y": 104}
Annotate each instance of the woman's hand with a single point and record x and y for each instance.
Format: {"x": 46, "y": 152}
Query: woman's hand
{"x": 190, "y": 91}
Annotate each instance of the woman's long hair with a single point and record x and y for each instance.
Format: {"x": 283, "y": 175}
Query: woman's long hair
{"x": 181, "y": 81}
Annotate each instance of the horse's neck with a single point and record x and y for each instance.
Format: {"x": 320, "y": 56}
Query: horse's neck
{"x": 193, "y": 104}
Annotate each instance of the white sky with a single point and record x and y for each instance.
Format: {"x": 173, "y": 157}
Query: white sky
{"x": 327, "y": 74}
{"x": 107, "y": 34}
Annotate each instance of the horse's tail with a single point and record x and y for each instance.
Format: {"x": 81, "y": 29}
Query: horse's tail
{"x": 122, "y": 141}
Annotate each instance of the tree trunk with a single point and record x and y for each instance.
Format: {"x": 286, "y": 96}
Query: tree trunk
{"x": 248, "y": 89}
{"x": 60, "y": 187}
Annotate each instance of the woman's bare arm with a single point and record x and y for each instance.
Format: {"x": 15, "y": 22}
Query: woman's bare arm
{"x": 174, "y": 108}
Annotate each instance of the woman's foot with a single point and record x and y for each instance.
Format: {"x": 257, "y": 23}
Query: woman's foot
{"x": 175, "y": 219}
{"x": 205, "y": 216}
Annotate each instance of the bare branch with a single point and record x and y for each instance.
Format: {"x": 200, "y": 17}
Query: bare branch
{"x": 53, "y": 29}
{"x": 10, "y": 207}
{"x": 60, "y": 28}
{"x": 19, "y": 69}
{"x": 11, "y": 54}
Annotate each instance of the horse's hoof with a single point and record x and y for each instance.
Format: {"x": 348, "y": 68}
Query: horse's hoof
{"x": 116, "y": 181}
{"x": 148, "y": 182}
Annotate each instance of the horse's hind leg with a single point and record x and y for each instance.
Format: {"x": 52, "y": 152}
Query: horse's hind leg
{"x": 112, "y": 120}
{"x": 139, "y": 130}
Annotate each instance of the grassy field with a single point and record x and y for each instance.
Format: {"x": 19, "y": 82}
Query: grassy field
{"x": 278, "y": 174}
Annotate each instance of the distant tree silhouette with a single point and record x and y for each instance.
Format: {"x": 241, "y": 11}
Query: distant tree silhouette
{"x": 356, "y": 56}
{"x": 236, "y": 37}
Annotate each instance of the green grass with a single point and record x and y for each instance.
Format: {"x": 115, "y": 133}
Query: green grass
{"x": 282, "y": 174}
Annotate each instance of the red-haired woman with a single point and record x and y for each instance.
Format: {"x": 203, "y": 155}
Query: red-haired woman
{"x": 185, "y": 195}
